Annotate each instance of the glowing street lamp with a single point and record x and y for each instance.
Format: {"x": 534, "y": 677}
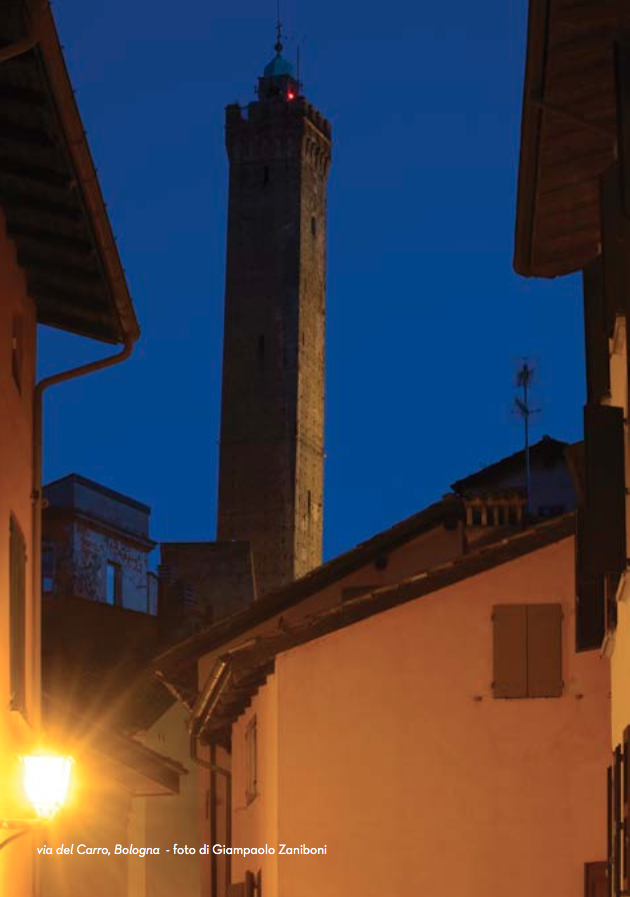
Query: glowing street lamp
{"x": 46, "y": 780}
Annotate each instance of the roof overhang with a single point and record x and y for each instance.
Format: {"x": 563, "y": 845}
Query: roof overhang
{"x": 253, "y": 659}
{"x": 49, "y": 190}
{"x": 109, "y": 756}
{"x": 568, "y": 132}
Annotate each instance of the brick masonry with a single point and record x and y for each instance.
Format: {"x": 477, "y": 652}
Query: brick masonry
{"x": 272, "y": 420}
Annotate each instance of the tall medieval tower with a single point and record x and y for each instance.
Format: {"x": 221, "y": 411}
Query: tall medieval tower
{"x": 272, "y": 412}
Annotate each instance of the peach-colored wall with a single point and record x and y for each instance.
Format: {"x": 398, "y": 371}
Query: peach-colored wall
{"x": 393, "y": 752}
{"x": 15, "y": 498}
{"x": 425, "y": 550}
{"x": 618, "y": 644}
{"x": 258, "y": 819}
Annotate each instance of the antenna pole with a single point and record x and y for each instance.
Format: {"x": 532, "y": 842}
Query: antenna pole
{"x": 524, "y": 379}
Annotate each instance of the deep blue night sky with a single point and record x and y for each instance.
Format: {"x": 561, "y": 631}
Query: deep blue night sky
{"x": 426, "y": 319}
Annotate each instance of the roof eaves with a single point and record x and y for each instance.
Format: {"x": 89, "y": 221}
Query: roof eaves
{"x": 442, "y": 513}
{"x": 259, "y": 652}
{"x": 531, "y": 123}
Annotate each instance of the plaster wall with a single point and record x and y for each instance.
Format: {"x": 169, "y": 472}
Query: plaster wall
{"x": 168, "y": 820}
{"x": 16, "y": 429}
{"x": 392, "y": 751}
{"x": 618, "y": 644}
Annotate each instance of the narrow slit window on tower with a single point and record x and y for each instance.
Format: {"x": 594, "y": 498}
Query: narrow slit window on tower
{"x": 314, "y": 225}
{"x": 308, "y": 503}
{"x": 261, "y": 350}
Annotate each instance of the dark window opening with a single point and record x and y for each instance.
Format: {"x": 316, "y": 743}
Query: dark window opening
{"x": 261, "y": 351}
{"x": 308, "y": 503}
{"x": 113, "y": 589}
{"x": 48, "y": 568}
{"x": 266, "y": 174}
{"x": 314, "y": 225}
{"x": 476, "y": 517}
{"x": 490, "y": 516}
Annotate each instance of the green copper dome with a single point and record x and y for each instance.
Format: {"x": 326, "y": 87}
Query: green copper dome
{"x": 278, "y": 66}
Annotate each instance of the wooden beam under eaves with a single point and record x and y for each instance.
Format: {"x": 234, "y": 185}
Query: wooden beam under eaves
{"x": 15, "y": 199}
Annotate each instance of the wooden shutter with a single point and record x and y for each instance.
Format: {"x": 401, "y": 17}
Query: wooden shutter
{"x": 544, "y": 650}
{"x": 604, "y": 546}
{"x": 590, "y": 598}
{"x": 595, "y": 335}
{"x": 17, "y": 614}
{"x": 510, "y": 650}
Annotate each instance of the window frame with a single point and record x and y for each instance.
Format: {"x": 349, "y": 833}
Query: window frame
{"x": 117, "y": 571}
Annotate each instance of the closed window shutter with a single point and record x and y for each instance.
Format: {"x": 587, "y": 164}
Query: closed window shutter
{"x": 544, "y": 650}
{"x": 590, "y": 597}
{"x": 17, "y": 611}
{"x": 604, "y": 545}
{"x": 596, "y": 337}
{"x": 510, "y": 651}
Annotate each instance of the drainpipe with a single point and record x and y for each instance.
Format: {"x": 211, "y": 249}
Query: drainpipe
{"x": 201, "y": 713}
{"x": 36, "y": 495}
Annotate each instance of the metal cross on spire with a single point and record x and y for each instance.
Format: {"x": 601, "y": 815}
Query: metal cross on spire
{"x": 278, "y": 48}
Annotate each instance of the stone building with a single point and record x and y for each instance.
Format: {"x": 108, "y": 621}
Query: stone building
{"x": 272, "y": 416}
{"x": 96, "y": 545}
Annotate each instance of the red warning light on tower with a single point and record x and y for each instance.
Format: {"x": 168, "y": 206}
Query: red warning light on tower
{"x": 290, "y": 95}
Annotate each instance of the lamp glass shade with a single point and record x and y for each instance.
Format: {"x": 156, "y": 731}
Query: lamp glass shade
{"x": 47, "y": 782}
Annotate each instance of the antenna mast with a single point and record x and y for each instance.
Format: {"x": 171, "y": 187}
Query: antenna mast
{"x": 524, "y": 378}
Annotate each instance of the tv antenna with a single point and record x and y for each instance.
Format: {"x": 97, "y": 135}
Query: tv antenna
{"x": 524, "y": 377}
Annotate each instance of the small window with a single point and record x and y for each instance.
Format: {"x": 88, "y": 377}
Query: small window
{"x": 48, "y": 568}
{"x": 266, "y": 174}
{"x": 251, "y": 761}
{"x": 476, "y": 517}
{"x": 17, "y": 351}
{"x": 308, "y": 503}
{"x": 314, "y": 225}
{"x": 17, "y": 616}
{"x": 490, "y": 516}
{"x": 527, "y": 651}
{"x": 113, "y": 594}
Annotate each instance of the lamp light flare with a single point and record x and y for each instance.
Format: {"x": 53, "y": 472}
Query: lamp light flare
{"x": 290, "y": 95}
{"x": 46, "y": 780}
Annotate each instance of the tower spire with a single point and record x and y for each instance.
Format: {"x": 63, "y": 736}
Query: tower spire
{"x": 279, "y": 46}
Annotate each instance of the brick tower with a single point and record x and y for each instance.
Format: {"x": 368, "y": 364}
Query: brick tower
{"x": 272, "y": 411}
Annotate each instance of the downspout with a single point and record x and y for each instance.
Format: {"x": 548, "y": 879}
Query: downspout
{"x": 201, "y": 713}
{"x": 36, "y": 495}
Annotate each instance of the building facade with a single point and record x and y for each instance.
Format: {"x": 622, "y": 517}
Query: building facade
{"x": 420, "y": 750}
{"x": 60, "y": 266}
{"x": 96, "y": 546}
{"x": 573, "y": 215}
{"x": 272, "y": 415}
